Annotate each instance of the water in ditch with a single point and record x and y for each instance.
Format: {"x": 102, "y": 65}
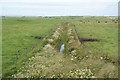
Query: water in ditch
{"x": 62, "y": 48}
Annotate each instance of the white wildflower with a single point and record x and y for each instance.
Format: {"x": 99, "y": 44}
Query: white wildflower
{"x": 48, "y": 46}
{"x": 75, "y": 57}
{"x": 72, "y": 59}
{"x": 56, "y": 35}
{"x": 74, "y": 51}
{"x": 50, "y": 40}
{"x": 70, "y": 41}
{"x": 71, "y": 37}
{"x": 101, "y": 58}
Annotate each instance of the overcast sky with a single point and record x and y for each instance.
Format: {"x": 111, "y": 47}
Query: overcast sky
{"x": 59, "y": 7}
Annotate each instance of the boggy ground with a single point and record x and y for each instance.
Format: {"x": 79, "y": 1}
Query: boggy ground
{"x": 75, "y": 62}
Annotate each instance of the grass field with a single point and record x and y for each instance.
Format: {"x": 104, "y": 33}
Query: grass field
{"x": 22, "y": 47}
{"x": 17, "y": 38}
{"x": 0, "y": 47}
{"x": 107, "y": 33}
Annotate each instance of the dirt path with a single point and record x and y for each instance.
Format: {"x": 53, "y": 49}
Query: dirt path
{"x": 73, "y": 63}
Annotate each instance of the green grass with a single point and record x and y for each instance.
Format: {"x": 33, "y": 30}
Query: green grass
{"x": 0, "y": 47}
{"x": 17, "y": 32}
{"x": 107, "y": 33}
{"x": 16, "y": 37}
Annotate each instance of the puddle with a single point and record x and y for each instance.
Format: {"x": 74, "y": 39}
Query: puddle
{"x": 37, "y": 37}
{"x": 88, "y": 40}
{"x": 62, "y": 48}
